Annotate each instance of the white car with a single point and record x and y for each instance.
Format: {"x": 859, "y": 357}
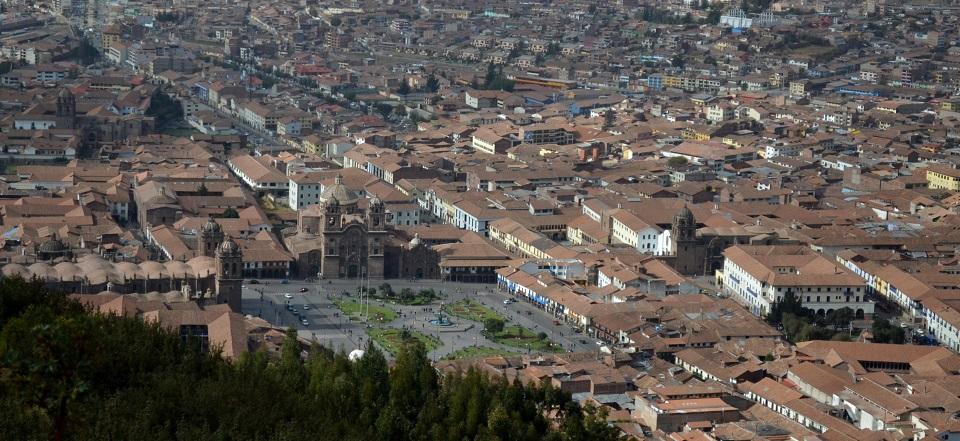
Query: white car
{"x": 288, "y": 295}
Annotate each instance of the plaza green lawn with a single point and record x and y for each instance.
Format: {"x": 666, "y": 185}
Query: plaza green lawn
{"x": 478, "y": 352}
{"x": 471, "y": 310}
{"x": 380, "y": 314}
{"x": 392, "y": 339}
{"x": 523, "y": 338}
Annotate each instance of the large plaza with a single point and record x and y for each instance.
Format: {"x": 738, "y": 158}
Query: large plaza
{"x": 348, "y": 326}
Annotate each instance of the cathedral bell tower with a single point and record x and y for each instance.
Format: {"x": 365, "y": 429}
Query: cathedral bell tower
{"x": 376, "y": 215}
{"x": 229, "y": 281}
{"x": 686, "y": 247}
{"x": 66, "y": 108}
{"x": 331, "y": 215}
{"x": 684, "y": 226}
{"x": 211, "y": 236}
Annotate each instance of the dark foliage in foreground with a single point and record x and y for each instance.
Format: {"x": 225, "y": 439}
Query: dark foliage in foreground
{"x": 66, "y": 373}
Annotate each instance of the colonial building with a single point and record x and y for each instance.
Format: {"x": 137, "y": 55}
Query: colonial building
{"x": 96, "y": 124}
{"x": 214, "y": 277}
{"x": 758, "y": 276}
{"x": 338, "y": 239}
{"x": 698, "y": 250}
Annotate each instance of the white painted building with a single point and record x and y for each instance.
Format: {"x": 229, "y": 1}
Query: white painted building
{"x": 628, "y": 229}
{"x": 566, "y": 269}
{"x": 403, "y": 214}
{"x": 303, "y": 192}
{"x": 757, "y": 276}
{"x": 469, "y": 216}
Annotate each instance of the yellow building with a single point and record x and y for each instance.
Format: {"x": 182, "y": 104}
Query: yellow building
{"x": 109, "y": 36}
{"x": 696, "y": 133}
{"x": 672, "y": 81}
{"x": 943, "y": 178}
{"x": 950, "y": 106}
{"x": 312, "y": 144}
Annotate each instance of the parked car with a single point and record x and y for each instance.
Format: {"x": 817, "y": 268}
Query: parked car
{"x": 304, "y": 289}
{"x": 306, "y": 307}
{"x": 254, "y": 282}
{"x": 288, "y": 295}
{"x": 304, "y": 322}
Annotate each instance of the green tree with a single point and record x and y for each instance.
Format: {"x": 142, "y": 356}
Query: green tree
{"x": 433, "y": 84}
{"x": 404, "y": 88}
{"x": 491, "y": 75}
{"x": 406, "y": 295}
{"x": 165, "y": 109}
{"x": 885, "y": 332}
{"x": 609, "y": 118}
{"x": 840, "y": 318}
{"x": 230, "y": 213}
{"x": 678, "y": 61}
{"x": 493, "y": 325}
{"x": 553, "y": 48}
{"x": 66, "y": 373}
{"x": 788, "y": 304}
{"x": 383, "y": 109}
{"x": 677, "y": 161}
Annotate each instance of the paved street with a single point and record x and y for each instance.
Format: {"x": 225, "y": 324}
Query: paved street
{"x": 331, "y": 328}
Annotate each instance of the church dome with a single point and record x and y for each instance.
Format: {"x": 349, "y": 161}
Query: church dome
{"x": 229, "y": 248}
{"x": 686, "y": 214}
{"x": 415, "y": 242}
{"x": 339, "y": 193}
{"x": 65, "y": 93}
{"x": 211, "y": 226}
{"x": 52, "y": 246}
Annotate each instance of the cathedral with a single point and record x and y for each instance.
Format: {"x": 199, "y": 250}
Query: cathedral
{"x": 698, "y": 250}
{"x": 339, "y": 239}
{"x": 95, "y": 123}
{"x": 690, "y": 251}
{"x": 215, "y": 276}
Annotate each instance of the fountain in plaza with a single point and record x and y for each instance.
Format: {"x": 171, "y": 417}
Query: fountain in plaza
{"x": 441, "y": 319}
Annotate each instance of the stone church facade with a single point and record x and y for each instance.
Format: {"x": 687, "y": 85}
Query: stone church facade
{"x": 95, "y": 126}
{"x": 345, "y": 237}
{"x": 338, "y": 239}
{"x": 699, "y": 251}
